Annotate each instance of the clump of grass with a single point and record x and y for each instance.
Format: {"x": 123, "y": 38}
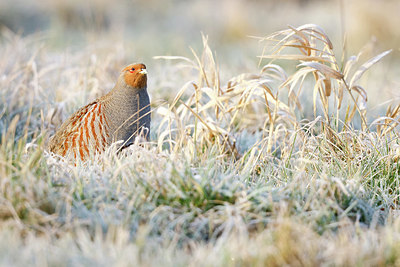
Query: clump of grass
{"x": 233, "y": 175}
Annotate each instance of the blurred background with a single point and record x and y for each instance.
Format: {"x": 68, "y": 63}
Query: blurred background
{"x": 154, "y": 27}
{"x": 143, "y": 29}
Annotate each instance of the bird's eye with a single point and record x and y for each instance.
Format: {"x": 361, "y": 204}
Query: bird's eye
{"x": 132, "y": 70}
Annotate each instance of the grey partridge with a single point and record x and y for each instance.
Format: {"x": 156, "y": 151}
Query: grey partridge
{"x": 122, "y": 114}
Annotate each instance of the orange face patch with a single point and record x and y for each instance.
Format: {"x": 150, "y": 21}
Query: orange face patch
{"x": 135, "y": 75}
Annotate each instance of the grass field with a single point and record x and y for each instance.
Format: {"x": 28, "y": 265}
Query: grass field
{"x": 289, "y": 157}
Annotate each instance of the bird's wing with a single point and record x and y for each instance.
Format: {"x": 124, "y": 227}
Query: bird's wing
{"x": 70, "y": 126}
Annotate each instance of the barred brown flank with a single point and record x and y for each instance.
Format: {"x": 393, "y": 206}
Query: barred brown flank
{"x": 85, "y": 125}
{"x": 110, "y": 118}
{"x": 92, "y": 127}
{"x": 81, "y": 145}
{"x": 64, "y": 151}
{"x": 102, "y": 131}
{"x": 74, "y": 145}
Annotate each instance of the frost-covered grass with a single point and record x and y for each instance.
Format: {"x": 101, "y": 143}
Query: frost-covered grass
{"x": 242, "y": 171}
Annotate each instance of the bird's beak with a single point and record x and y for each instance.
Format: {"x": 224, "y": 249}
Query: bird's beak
{"x": 143, "y": 71}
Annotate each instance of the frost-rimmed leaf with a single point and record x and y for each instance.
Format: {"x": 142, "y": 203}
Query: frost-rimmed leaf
{"x": 325, "y": 70}
{"x": 364, "y": 67}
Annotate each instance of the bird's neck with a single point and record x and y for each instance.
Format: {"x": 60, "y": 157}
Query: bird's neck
{"x": 123, "y": 94}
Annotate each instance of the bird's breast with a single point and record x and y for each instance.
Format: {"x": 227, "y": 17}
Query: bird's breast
{"x": 129, "y": 116}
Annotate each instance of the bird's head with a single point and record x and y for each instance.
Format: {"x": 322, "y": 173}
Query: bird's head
{"x": 135, "y": 75}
